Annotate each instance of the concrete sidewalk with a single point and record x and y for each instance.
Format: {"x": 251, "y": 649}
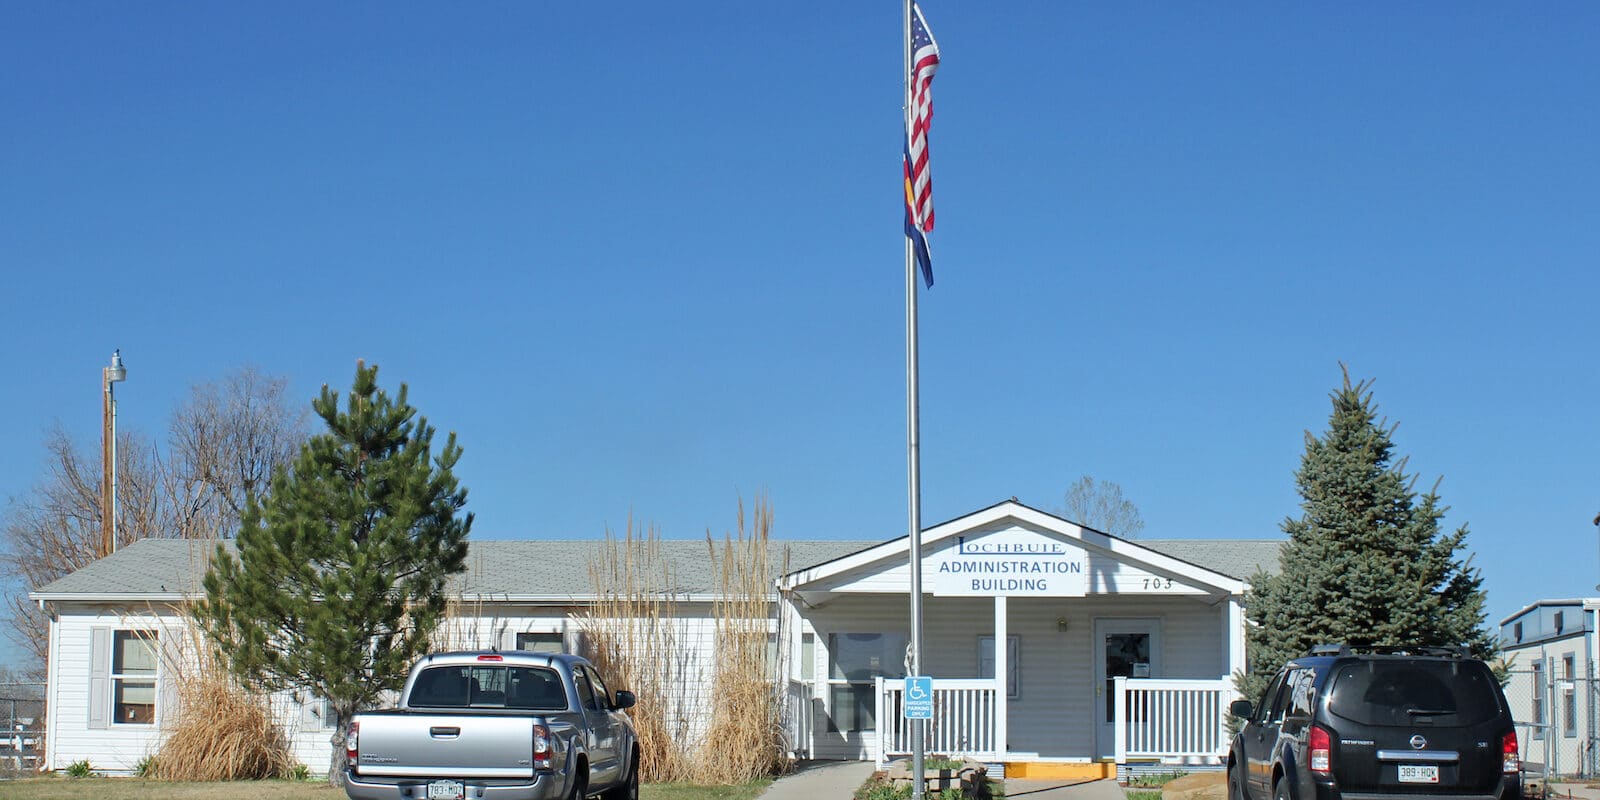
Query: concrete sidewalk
{"x": 820, "y": 780}
{"x": 1104, "y": 789}
{"x": 838, "y": 780}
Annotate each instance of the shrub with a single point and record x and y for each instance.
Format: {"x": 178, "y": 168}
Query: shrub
{"x": 80, "y": 769}
{"x": 300, "y": 772}
{"x": 1156, "y": 780}
{"x": 223, "y": 732}
{"x": 146, "y": 768}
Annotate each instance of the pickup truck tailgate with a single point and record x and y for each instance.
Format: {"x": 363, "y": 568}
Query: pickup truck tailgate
{"x": 446, "y": 746}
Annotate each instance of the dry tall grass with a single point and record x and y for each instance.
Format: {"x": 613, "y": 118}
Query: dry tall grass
{"x": 633, "y": 639}
{"x": 223, "y": 731}
{"x": 745, "y": 738}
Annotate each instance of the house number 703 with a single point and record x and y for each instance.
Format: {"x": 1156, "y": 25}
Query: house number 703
{"x": 1158, "y": 583}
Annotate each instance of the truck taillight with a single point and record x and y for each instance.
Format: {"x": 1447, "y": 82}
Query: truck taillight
{"x": 541, "y": 747}
{"x": 1508, "y": 745}
{"x": 352, "y": 741}
{"x": 1321, "y": 751}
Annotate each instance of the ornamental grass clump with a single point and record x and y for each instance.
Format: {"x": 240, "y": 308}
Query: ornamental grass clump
{"x": 746, "y": 731}
{"x": 223, "y": 731}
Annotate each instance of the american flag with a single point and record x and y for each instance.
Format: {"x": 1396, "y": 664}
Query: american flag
{"x": 918, "y": 182}
{"x": 924, "y": 62}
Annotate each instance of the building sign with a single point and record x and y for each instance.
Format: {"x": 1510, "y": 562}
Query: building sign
{"x": 1013, "y": 563}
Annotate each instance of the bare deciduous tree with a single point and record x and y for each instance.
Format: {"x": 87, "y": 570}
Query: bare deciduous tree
{"x": 55, "y": 528}
{"x": 225, "y": 441}
{"x": 1101, "y": 506}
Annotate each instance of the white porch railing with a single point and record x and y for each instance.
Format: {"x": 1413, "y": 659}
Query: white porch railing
{"x": 797, "y": 718}
{"x": 1182, "y": 719}
{"x": 963, "y": 721}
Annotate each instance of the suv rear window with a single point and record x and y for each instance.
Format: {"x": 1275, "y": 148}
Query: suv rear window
{"x": 535, "y": 688}
{"x": 1380, "y": 692}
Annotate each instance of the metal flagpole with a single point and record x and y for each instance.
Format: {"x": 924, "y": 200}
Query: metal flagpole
{"x": 913, "y": 458}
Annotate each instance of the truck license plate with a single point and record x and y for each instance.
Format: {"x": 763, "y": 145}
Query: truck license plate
{"x": 454, "y": 790}
{"x": 1416, "y": 773}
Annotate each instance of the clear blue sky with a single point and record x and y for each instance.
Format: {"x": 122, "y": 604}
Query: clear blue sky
{"x": 648, "y": 257}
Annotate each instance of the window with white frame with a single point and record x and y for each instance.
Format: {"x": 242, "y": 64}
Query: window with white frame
{"x": 1538, "y": 692}
{"x": 855, "y": 661}
{"x": 1013, "y": 663}
{"x": 133, "y": 677}
{"x": 1569, "y": 697}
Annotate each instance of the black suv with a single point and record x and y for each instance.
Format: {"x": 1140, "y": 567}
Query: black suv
{"x": 1397, "y": 723}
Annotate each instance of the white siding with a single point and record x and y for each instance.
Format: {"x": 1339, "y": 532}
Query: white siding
{"x": 119, "y": 747}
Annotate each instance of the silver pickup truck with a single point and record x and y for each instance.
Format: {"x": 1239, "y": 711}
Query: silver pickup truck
{"x": 497, "y": 726}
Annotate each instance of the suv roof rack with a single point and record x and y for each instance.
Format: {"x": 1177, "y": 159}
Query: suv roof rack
{"x": 1451, "y": 651}
{"x": 1445, "y": 651}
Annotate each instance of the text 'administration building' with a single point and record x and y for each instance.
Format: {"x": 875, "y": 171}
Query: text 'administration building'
{"x": 1115, "y": 651}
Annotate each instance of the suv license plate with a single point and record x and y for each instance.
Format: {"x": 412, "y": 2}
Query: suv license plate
{"x": 454, "y": 790}
{"x": 1415, "y": 773}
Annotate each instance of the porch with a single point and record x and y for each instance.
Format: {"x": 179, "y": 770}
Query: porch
{"x": 1166, "y": 720}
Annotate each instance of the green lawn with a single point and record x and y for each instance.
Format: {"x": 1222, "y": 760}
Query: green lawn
{"x": 56, "y": 788}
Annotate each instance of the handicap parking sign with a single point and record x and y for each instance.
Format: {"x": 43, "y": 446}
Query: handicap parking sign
{"x": 919, "y": 697}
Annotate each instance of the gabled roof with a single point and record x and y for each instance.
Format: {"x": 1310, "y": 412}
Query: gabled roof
{"x": 1225, "y": 565}
{"x": 525, "y": 570}
{"x": 558, "y": 570}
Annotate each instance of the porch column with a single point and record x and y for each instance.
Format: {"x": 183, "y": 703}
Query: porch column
{"x": 1233, "y": 634}
{"x": 1001, "y": 670}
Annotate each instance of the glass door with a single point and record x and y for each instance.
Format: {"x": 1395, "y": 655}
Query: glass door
{"x": 1124, "y": 648}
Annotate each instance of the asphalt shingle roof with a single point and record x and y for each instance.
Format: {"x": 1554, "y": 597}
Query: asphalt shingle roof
{"x": 560, "y": 568}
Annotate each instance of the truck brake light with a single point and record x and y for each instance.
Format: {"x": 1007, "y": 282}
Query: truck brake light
{"x": 1508, "y": 745}
{"x": 352, "y": 742}
{"x": 541, "y": 747}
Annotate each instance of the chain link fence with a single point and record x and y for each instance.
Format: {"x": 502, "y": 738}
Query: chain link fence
{"x": 22, "y": 740}
{"x": 1556, "y": 718}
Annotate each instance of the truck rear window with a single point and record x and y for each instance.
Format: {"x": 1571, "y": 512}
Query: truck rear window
{"x": 473, "y": 686}
{"x": 1407, "y": 693}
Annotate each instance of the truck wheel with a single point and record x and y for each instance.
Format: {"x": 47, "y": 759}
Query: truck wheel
{"x": 580, "y": 785}
{"x": 629, "y": 788}
{"x": 1236, "y": 785}
{"x": 1280, "y": 790}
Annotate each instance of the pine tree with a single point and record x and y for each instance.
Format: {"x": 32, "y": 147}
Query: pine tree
{"x": 1366, "y": 563}
{"x": 341, "y": 569}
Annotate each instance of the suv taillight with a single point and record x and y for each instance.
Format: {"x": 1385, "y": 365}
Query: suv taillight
{"x": 1508, "y": 745}
{"x": 1321, "y": 760}
{"x": 352, "y": 741}
{"x": 541, "y": 747}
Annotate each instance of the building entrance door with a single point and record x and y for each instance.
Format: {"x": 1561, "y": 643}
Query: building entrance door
{"x": 1124, "y": 648}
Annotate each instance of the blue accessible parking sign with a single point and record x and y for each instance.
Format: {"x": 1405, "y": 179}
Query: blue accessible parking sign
{"x": 919, "y": 697}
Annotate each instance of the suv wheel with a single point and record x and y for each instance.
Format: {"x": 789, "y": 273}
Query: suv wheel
{"x": 1280, "y": 790}
{"x": 1236, "y": 784}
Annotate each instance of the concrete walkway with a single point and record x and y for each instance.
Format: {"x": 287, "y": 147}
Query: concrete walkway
{"x": 1105, "y": 789}
{"x": 838, "y": 780}
{"x": 820, "y": 780}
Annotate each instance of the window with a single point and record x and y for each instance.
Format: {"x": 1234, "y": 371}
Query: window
{"x": 1013, "y": 662}
{"x": 133, "y": 677}
{"x": 854, "y": 661}
{"x": 808, "y": 656}
{"x": 1538, "y": 692}
{"x": 542, "y": 642}
{"x": 602, "y": 695}
{"x": 1560, "y": 619}
{"x": 1569, "y": 698}
{"x": 1302, "y": 693}
{"x": 489, "y": 687}
{"x": 1516, "y": 631}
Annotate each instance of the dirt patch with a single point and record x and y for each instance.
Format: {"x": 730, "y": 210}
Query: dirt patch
{"x": 1199, "y": 786}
